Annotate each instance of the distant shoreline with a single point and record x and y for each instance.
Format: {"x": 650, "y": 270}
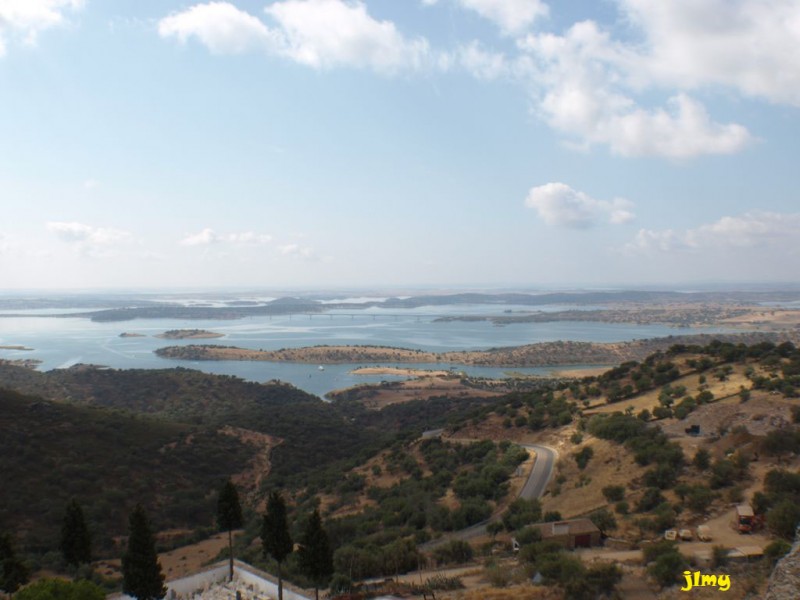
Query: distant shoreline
{"x": 189, "y": 334}
{"x": 543, "y": 354}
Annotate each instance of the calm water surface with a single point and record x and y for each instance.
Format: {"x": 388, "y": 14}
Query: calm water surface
{"x": 65, "y": 341}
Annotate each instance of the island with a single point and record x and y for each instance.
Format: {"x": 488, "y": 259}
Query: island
{"x": 25, "y": 348}
{"x": 128, "y": 334}
{"x": 189, "y": 334}
{"x": 559, "y": 353}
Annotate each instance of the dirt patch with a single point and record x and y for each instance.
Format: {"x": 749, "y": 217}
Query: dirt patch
{"x": 381, "y": 395}
{"x": 258, "y": 469}
{"x": 176, "y": 563}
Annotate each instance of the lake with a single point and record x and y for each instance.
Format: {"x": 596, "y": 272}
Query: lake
{"x": 64, "y": 341}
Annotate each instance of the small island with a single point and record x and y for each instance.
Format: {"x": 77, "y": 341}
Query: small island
{"x": 189, "y": 334}
{"x": 128, "y": 334}
{"x": 25, "y": 348}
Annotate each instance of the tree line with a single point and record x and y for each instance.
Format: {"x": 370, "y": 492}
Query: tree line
{"x": 142, "y": 575}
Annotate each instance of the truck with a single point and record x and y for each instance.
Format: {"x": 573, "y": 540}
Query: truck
{"x": 745, "y": 518}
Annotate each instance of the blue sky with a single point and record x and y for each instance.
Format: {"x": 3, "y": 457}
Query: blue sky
{"x": 397, "y": 143}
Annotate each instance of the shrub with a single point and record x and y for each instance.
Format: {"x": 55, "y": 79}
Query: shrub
{"x": 614, "y": 493}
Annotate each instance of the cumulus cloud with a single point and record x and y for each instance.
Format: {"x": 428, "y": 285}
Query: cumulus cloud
{"x": 511, "y": 16}
{"x": 558, "y": 204}
{"x": 755, "y": 229}
{"x": 317, "y": 33}
{"x": 580, "y": 89}
{"x": 221, "y": 27}
{"x": 741, "y": 44}
{"x": 29, "y": 17}
{"x": 208, "y": 237}
{"x": 80, "y": 233}
{"x": 329, "y": 33}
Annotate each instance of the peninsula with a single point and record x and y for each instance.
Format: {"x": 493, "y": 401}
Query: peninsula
{"x": 530, "y": 355}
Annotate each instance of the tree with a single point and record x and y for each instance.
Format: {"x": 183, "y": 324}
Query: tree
{"x": 13, "y": 573}
{"x": 604, "y": 520}
{"x": 76, "y": 543}
{"x": 142, "y": 577}
{"x": 275, "y": 537}
{"x": 316, "y": 556}
{"x": 58, "y": 589}
{"x": 783, "y": 519}
{"x": 229, "y": 517}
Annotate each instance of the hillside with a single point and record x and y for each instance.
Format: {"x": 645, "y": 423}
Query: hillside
{"x": 108, "y": 460}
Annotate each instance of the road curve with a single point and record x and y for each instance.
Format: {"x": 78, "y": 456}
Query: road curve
{"x": 541, "y": 472}
{"x": 534, "y": 487}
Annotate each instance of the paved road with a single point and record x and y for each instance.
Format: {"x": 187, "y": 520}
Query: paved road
{"x": 537, "y": 482}
{"x": 541, "y": 473}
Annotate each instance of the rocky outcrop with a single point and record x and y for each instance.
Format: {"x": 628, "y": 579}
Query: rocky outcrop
{"x": 784, "y": 583}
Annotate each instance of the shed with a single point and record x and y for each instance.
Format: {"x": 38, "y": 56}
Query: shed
{"x": 574, "y": 533}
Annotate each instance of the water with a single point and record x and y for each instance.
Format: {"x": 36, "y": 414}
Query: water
{"x": 65, "y": 341}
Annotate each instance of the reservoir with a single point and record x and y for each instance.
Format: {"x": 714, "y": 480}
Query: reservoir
{"x": 60, "y": 342}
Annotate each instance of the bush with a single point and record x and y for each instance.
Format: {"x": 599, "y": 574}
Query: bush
{"x": 667, "y": 568}
{"x": 776, "y": 550}
{"x": 582, "y": 457}
{"x": 614, "y": 493}
{"x": 57, "y": 589}
{"x": 783, "y": 519}
{"x": 454, "y": 552}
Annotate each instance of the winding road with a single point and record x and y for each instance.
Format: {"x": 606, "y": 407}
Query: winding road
{"x": 537, "y": 482}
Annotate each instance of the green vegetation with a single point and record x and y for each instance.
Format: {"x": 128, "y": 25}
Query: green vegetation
{"x": 142, "y": 575}
{"x": 58, "y": 589}
{"x": 315, "y": 554}
{"x": 54, "y": 452}
{"x": 276, "y": 542}
{"x": 76, "y": 543}
{"x": 13, "y": 572}
{"x": 229, "y": 517}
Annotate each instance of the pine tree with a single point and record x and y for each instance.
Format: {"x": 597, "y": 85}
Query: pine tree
{"x": 76, "y": 543}
{"x": 141, "y": 571}
{"x": 275, "y": 537}
{"x": 13, "y": 573}
{"x": 229, "y": 516}
{"x": 316, "y": 557}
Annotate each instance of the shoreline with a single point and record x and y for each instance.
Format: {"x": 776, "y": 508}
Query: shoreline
{"x": 543, "y": 354}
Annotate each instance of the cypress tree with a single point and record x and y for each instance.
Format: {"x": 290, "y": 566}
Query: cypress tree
{"x": 76, "y": 543}
{"x": 141, "y": 571}
{"x": 13, "y": 573}
{"x": 229, "y": 516}
{"x": 275, "y": 538}
{"x": 316, "y": 557}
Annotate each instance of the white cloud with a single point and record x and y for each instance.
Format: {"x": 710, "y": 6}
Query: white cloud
{"x": 28, "y": 17}
{"x": 558, "y": 204}
{"x": 208, "y": 236}
{"x": 79, "y": 233}
{"x": 745, "y": 45}
{"x": 751, "y": 230}
{"x": 316, "y": 33}
{"x": 481, "y": 63}
{"x": 297, "y": 251}
{"x": 330, "y": 33}
{"x": 220, "y": 26}
{"x": 511, "y": 16}
{"x": 580, "y": 87}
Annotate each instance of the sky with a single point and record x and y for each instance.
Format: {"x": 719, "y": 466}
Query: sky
{"x": 394, "y": 143}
